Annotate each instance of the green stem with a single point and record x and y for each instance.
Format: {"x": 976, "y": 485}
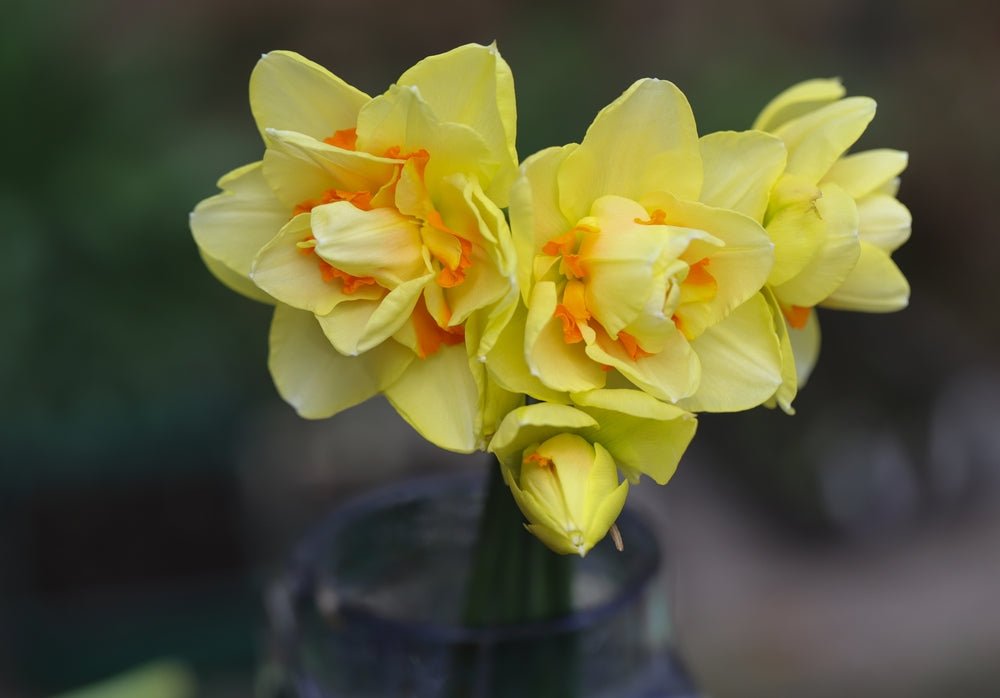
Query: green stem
{"x": 515, "y": 579}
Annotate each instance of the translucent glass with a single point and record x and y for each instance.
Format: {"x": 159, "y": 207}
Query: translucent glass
{"x": 371, "y": 608}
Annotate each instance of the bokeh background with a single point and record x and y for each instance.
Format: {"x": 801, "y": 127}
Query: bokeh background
{"x": 152, "y": 481}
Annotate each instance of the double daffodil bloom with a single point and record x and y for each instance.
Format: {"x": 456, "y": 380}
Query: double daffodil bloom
{"x": 834, "y": 218}
{"x": 561, "y": 463}
{"x": 374, "y": 226}
{"x": 627, "y": 280}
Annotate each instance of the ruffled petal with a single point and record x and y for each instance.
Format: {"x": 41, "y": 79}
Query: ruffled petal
{"x": 816, "y": 140}
{"x": 798, "y": 100}
{"x": 317, "y": 380}
{"x": 560, "y": 366}
{"x": 740, "y": 170}
{"x": 740, "y": 361}
{"x": 382, "y": 243}
{"x": 875, "y": 285}
{"x": 883, "y": 221}
{"x": 291, "y": 93}
{"x": 292, "y": 275}
{"x": 863, "y": 173}
{"x": 437, "y": 396}
{"x": 231, "y": 227}
{"x": 834, "y": 258}
{"x": 535, "y": 216}
{"x": 643, "y": 435}
{"x": 472, "y": 85}
{"x": 644, "y": 141}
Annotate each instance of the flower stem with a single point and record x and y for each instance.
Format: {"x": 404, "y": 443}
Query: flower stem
{"x": 515, "y": 579}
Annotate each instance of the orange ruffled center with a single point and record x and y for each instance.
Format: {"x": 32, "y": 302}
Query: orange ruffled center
{"x": 431, "y": 333}
{"x": 572, "y": 310}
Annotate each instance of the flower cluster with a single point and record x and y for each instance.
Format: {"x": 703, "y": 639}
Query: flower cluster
{"x": 645, "y": 274}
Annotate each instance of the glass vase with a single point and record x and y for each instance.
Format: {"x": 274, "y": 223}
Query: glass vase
{"x": 371, "y": 607}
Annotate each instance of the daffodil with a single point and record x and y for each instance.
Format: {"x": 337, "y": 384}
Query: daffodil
{"x": 375, "y": 227}
{"x": 629, "y": 281}
{"x": 834, "y": 218}
{"x": 562, "y": 462}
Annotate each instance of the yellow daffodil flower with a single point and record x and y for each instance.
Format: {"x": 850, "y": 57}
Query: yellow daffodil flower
{"x": 561, "y": 462}
{"x": 834, "y": 218}
{"x": 374, "y": 226}
{"x": 629, "y": 281}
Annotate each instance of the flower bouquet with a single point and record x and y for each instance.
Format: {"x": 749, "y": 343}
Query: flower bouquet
{"x": 571, "y": 312}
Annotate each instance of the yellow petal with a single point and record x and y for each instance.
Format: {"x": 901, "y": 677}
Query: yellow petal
{"x": 299, "y": 169}
{"x": 670, "y": 374}
{"x": 360, "y": 325}
{"x": 834, "y": 258}
{"x": 798, "y": 100}
{"x": 234, "y": 281}
{"x": 740, "y": 267}
{"x": 863, "y": 173}
{"x": 507, "y": 363}
{"x": 560, "y": 366}
{"x": 740, "y": 170}
{"x": 472, "y": 85}
{"x": 607, "y": 513}
{"x": 533, "y": 424}
{"x": 817, "y": 139}
{"x": 644, "y": 141}
{"x": 642, "y": 434}
{"x": 740, "y": 361}
{"x": 535, "y": 216}
{"x": 380, "y": 243}
{"x": 789, "y": 387}
{"x": 317, "y": 380}
{"x": 291, "y": 93}
{"x": 294, "y": 278}
{"x": 400, "y": 117}
{"x": 805, "y": 346}
{"x": 231, "y": 227}
{"x": 883, "y": 221}
{"x": 437, "y": 397}
{"x": 795, "y": 227}
{"x": 875, "y": 285}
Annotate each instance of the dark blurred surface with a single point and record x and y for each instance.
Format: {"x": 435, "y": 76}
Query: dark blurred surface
{"x": 152, "y": 479}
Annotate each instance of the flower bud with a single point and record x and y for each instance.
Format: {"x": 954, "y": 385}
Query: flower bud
{"x": 568, "y": 490}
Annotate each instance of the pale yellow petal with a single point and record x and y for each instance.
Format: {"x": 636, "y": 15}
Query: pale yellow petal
{"x": 291, "y": 93}
{"x": 643, "y": 435}
{"x": 473, "y": 85}
{"x": 508, "y": 366}
{"x": 381, "y": 243}
{"x": 437, "y": 396}
{"x": 533, "y": 424}
{"x": 293, "y": 276}
{"x": 795, "y": 227}
{"x": 834, "y": 258}
{"x": 535, "y": 216}
{"x": 359, "y": 325}
{"x": 740, "y": 170}
{"x": 883, "y": 221}
{"x": 560, "y": 366}
{"x": 400, "y": 118}
{"x": 805, "y": 345}
{"x": 299, "y": 169}
{"x": 862, "y": 173}
{"x": 789, "y": 387}
{"x": 317, "y": 380}
{"x": 646, "y": 140}
{"x": 875, "y": 285}
{"x": 607, "y": 513}
{"x": 798, "y": 100}
{"x": 670, "y": 374}
{"x": 234, "y": 281}
{"x": 231, "y": 227}
{"x": 740, "y": 361}
{"x": 817, "y": 139}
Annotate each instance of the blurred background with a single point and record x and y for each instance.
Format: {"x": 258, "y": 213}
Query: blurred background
{"x": 152, "y": 481}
